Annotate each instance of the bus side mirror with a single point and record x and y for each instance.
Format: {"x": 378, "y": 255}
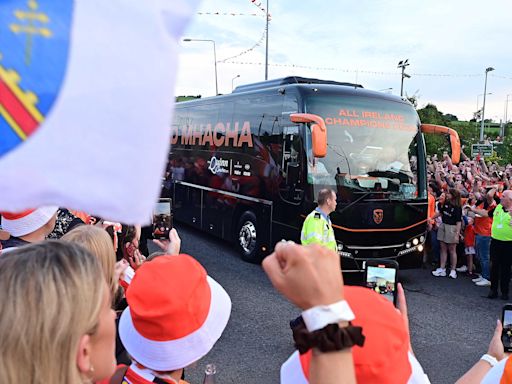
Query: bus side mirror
{"x": 318, "y": 131}
{"x": 454, "y": 138}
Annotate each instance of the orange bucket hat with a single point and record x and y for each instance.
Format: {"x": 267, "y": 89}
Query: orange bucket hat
{"x": 385, "y": 357}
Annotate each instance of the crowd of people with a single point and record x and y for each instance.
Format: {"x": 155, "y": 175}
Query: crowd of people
{"x": 82, "y": 299}
{"x": 76, "y": 314}
{"x": 469, "y": 223}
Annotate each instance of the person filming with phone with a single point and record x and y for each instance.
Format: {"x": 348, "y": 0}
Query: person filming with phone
{"x": 495, "y": 366}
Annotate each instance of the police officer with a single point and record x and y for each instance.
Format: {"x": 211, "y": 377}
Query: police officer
{"x": 317, "y": 228}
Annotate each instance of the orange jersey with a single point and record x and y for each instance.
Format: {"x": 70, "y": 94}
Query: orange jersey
{"x": 431, "y": 205}
{"x": 483, "y": 224}
{"x": 469, "y": 235}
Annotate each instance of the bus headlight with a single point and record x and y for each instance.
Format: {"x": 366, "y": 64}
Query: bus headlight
{"x": 415, "y": 241}
{"x": 408, "y": 244}
{"x": 422, "y": 239}
{"x": 340, "y": 247}
{"x": 420, "y": 248}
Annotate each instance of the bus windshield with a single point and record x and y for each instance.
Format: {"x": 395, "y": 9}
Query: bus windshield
{"x": 372, "y": 146}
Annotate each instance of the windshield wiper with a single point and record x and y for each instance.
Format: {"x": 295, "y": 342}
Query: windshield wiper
{"x": 342, "y": 155}
{"x": 355, "y": 201}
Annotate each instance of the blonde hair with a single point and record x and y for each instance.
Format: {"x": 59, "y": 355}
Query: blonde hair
{"x": 98, "y": 242}
{"x": 50, "y": 295}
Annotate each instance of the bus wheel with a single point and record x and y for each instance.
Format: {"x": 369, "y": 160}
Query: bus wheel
{"x": 247, "y": 238}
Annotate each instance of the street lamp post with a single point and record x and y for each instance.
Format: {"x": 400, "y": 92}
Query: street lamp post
{"x": 266, "y": 47}
{"x": 487, "y": 70}
{"x": 505, "y": 120}
{"x": 214, "y": 61}
{"x": 402, "y": 64}
{"x": 478, "y": 99}
{"x": 232, "y": 80}
{"x": 477, "y": 113}
{"x": 506, "y": 109}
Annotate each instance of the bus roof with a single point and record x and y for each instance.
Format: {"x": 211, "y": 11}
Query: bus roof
{"x": 305, "y": 86}
{"x": 287, "y": 81}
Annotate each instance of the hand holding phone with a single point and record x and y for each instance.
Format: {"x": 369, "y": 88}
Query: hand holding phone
{"x": 162, "y": 219}
{"x": 506, "y": 333}
{"x": 171, "y": 246}
{"x": 381, "y": 276}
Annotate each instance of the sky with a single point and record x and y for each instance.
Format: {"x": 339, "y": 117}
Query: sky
{"x": 449, "y": 45}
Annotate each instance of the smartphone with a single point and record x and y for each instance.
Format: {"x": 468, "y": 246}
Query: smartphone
{"x": 506, "y": 334}
{"x": 162, "y": 219}
{"x": 381, "y": 276}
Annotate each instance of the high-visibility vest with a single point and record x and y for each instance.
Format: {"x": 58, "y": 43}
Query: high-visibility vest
{"x": 501, "y": 229}
{"x": 317, "y": 229}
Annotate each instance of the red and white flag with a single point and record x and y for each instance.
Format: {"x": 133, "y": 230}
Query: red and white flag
{"x": 86, "y": 96}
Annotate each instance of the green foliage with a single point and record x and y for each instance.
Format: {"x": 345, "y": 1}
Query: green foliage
{"x": 431, "y": 115}
{"x": 469, "y": 133}
{"x": 504, "y": 151}
{"x": 186, "y": 98}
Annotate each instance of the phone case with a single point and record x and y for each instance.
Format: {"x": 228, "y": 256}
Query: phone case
{"x": 382, "y": 277}
{"x": 506, "y": 334}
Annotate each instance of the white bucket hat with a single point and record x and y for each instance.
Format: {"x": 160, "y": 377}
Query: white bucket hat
{"x": 23, "y": 223}
{"x": 176, "y": 313}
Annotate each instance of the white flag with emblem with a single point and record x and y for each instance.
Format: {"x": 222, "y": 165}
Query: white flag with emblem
{"x": 86, "y": 97}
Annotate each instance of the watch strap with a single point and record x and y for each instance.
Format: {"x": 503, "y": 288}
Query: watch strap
{"x": 318, "y": 317}
{"x": 490, "y": 359}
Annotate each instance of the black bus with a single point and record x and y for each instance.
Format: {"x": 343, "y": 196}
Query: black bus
{"x": 247, "y": 166}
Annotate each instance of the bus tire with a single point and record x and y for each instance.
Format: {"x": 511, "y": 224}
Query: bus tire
{"x": 246, "y": 238}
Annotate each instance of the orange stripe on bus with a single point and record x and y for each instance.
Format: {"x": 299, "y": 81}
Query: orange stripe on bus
{"x": 377, "y": 229}
{"x": 380, "y": 229}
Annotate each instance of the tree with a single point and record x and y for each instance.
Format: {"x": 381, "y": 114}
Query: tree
{"x": 431, "y": 115}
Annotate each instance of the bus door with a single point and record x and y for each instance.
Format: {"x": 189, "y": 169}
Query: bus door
{"x": 291, "y": 189}
{"x": 288, "y": 209}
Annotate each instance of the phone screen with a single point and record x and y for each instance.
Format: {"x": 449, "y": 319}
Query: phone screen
{"x": 506, "y": 335}
{"x": 382, "y": 279}
{"x": 162, "y": 219}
